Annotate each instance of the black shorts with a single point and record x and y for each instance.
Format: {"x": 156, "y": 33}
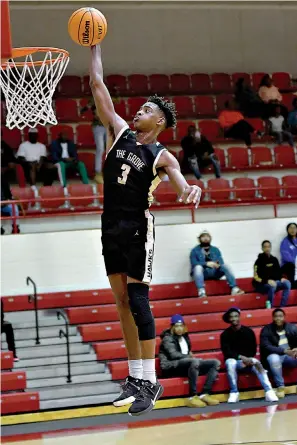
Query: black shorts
{"x": 128, "y": 246}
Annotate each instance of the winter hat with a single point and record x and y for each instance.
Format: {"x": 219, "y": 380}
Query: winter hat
{"x": 227, "y": 314}
{"x": 177, "y": 319}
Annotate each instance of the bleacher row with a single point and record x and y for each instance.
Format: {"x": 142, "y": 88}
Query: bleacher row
{"x": 95, "y": 314}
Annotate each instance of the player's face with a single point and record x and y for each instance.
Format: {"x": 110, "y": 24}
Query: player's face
{"x": 148, "y": 117}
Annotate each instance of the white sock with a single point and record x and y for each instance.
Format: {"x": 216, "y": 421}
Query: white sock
{"x": 135, "y": 368}
{"x": 149, "y": 370}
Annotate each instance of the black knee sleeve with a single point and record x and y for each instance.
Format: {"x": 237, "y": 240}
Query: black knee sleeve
{"x": 141, "y": 311}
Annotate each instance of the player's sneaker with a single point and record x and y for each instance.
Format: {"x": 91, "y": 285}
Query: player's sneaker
{"x": 130, "y": 388}
{"x": 146, "y": 398}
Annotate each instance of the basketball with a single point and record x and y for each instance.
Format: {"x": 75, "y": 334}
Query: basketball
{"x": 87, "y": 26}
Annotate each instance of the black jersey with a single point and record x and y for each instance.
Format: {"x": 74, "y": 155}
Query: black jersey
{"x": 130, "y": 175}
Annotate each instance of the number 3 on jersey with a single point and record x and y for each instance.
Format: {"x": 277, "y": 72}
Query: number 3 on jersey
{"x": 123, "y": 179}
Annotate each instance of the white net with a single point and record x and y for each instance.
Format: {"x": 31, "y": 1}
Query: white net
{"x": 29, "y": 85}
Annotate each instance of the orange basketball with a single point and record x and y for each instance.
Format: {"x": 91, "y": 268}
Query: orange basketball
{"x": 87, "y": 26}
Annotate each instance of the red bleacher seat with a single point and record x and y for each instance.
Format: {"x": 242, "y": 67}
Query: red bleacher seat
{"x": 210, "y": 129}
{"x": 221, "y": 83}
{"x": 247, "y": 184}
{"x": 6, "y": 360}
{"x": 261, "y": 156}
{"x": 257, "y": 123}
{"x": 13, "y": 381}
{"x": 134, "y": 104}
{"x": 86, "y": 115}
{"x": 84, "y": 136}
{"x": 138, "y": 84}
{"x": 256, "y": 78}
{"x": 284, "y": 156}
{"x": 288, "y": 99}
{"x": 236, "y": 76}
{"x": 184, "y": 106}
{"x": 182, "y": 129}
{"x": 19, "y": 402}
{"x": 159, "y": 83}
{"x": 42, "y": 134}
{"x": 221, "y": 99}
{"x": 121, "y": 108}
{"x": 23, "y": 193}
{"x": 200, "y": 83}
{"x": 12, "y": 137}
{"x": 282, "y": 80}
{"x": 80, "y": 190}
{"x": 55, "y": 130}
{"x": 66, "y": 110}
{"x": 180, "y": 83}
{"x": 204, "y": 106}
{"x": 273, "y": 183}
{"x": 165, "y": 193}
{"x": 89, "y": 160}
{"x": 220, "y": 153}
{"x": 54, "y": 191}
{"x": 216, "y": 187}
{"x": 86, "y": 86}
{"x": 290, "y": 181}
{"x": 70, "y": 86}
{"x": 117, "y": 84}
{"x": 166, "y": 137}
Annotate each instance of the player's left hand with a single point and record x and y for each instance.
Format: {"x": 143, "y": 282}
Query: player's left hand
{"x": 191, "y": 194}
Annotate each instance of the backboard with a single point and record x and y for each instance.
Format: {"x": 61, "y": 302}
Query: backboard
{"x": 6, "y": 44}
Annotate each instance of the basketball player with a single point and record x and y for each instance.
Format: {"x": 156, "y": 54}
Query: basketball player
{"x": 134, "y": 165}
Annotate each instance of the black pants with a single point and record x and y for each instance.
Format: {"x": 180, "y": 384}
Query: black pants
{"x": 242, "y": 130}
{"x": 6, "y": 327}
{"x": 47, "y": 173}
{"x": 192, "y": 368}
{"x": 288, "y": 269}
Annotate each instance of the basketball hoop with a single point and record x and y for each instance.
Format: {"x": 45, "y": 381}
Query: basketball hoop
{"x": 29, "y": 84}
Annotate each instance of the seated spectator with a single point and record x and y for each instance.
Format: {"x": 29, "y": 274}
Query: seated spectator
{"x": 292, "y": 118}
{"x": 8, "y": 209}
{"x": 199, "y": 152}
{"x": 278, "y": 127}
{"x": 234, "y": 125}
{"x": 177, "y": 360}
{"x": 64, "y": 155}
{"x": 278, "y": 347}
{"x": 268, "y": 276}
{"x": 239, "y": 346}
{"x": 207, "y": 264}
{"x": 32, "y": 156}
{"x": 7, "y": 329}
{"x": 288, "y": 250}
{"x": 250, "y": 103}
{"x": 271, "y": 96}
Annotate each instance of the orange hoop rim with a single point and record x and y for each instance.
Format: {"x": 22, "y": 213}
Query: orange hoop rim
{"x": 26, "y": 51}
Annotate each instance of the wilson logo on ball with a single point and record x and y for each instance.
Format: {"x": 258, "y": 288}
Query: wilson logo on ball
{"x": 86, "y": 33}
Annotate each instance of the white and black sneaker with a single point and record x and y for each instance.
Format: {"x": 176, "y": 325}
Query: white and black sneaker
{"x": 130, "y": 388}
{"x": 146, "y": 398}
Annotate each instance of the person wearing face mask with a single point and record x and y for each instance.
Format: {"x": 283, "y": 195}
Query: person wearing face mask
{"x": 177, "y": 360}
{"x": 33, "y": 158}
{"x": 64, "y": 156}
{"x": 207, "y": 264}
{"x": 288, "y": 250}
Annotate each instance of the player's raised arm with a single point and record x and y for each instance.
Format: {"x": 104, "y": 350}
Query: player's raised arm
{"x": 104, "y": 105}
{"x": 187, "y": 193}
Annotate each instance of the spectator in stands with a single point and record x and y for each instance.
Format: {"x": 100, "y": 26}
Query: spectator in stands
{"x": 250, "y": 103}
{"x": 207, "y": 264}
{"x": 64, "y": 156}
{"x": 268, "y": 276}
{"x": 292, "y": 118}
{"x": 271, "y": 96}
{"x": 8, "y": 160}
{"x": 99, "y": 133}
{"x": 288, "y": 250}
{"x": 239, "y": 346}
{"x": 8, "y": 209}
{"x": 177, "y": 360}
{"x": 33, "y": 158}
{"x": 278, "y": 347}
{"x": 234, "y": 125}
{"x": 7, "y": 329}
{"x": 278, "y": 127}
{"x": 199, "y": 152}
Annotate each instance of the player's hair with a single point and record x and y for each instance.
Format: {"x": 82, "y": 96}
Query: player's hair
{"x": 167, "y": 107}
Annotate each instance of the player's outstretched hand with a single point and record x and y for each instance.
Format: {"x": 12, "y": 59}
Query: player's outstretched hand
{"x": 192, "y": 193}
